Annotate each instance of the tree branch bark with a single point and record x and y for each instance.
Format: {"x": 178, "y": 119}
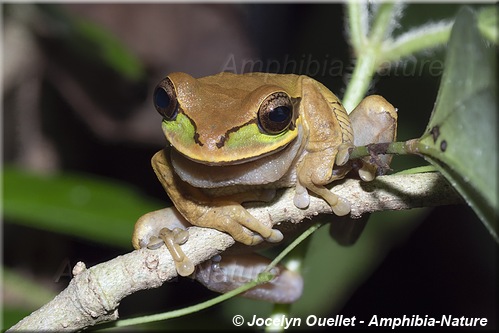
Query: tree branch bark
{"x": 94, "y": 294}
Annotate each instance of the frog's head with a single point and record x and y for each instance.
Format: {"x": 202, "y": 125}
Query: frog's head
{"x": 226, "y": 118}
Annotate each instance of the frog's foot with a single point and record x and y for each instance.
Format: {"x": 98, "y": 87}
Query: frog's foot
{"x": 233, "y": 218}
{"x": 149, "y": 225}
{"x": 343, "y": 154}
{"x": 173, "y": 239}
{"x": 374, "y": 165}
{"x": 374, "y": 123}
{"x": 301, "y": 198}
{"x": 367, "y": 172}
{"x": 310, "y": 180}
{"x": 339, "y": 205}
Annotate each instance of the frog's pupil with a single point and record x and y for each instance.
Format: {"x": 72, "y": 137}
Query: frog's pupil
{"x": 280, "y": 114}
{"x": 161, "y": 98}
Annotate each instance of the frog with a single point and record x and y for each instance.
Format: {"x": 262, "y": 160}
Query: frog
{"x": 238, "y": 138}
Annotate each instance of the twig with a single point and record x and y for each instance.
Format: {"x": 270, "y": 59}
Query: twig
{"x": 94, "y": 294}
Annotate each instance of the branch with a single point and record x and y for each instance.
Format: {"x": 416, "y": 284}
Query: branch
{"x": 94, "y": 294}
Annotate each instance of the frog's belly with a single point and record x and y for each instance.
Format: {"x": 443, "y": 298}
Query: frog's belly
{"x": 288, "y": 180}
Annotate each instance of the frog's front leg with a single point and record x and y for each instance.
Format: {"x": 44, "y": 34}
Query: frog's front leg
{"x": 330, "y": 137}
{"x": 224, "y": 214}
{"x": 314, "y": 178}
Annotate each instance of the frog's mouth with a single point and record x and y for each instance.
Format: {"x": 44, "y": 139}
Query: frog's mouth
{"x": 264, "y": 170}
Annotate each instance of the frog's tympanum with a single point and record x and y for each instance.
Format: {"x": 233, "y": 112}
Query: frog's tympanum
{"x": 237, "y": 138}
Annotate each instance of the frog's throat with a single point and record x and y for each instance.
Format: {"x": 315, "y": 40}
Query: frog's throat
{"x": 264, "y": 170}
{"x": 238, "y": 145}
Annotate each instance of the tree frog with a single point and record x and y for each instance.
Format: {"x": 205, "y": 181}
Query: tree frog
{"x": 235, "y": 138}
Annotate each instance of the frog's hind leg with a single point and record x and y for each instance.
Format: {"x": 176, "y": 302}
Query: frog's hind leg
{"x": 232, "y": 218}
{"x": 374, "y": 121}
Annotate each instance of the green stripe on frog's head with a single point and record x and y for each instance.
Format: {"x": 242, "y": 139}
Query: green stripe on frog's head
{"x": 237, "y": 145}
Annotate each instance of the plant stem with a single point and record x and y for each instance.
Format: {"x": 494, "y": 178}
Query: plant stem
{"x": 357, "y": 24}
{"x": 408, "y": 147}
{"x": 382, "y": 24}
{"x": 416, "y": 40}
{"x": 367, "y": 50}
{"x": 194, "y": 308}
{"x": 293, "y": 244}
{"x": 359, "y": 84}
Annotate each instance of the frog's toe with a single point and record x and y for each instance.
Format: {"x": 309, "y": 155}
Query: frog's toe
{"x": 155, "y": 243}
{"x": 235, "y": 224}
{"x": 367, "y": 172}
{"x": 275, "y": 237}
{"x": 250, "y": 240}
{"x": 342, "y": 207}
{"x": 301, "y": 201}
{"x": 235, "y": 220}
{"x": 343, "y": 154}
{"x": 255, "y": 239}
{"x": 262, "y": 232}
{"x": 184, "y": 267}
{"x": 180, "y": 236}
{"x": 172, "y": 239}
{"x": 301, "y": 198}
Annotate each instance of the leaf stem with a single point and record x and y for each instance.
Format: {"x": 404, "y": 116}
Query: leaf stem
{"x": 194, "y": 308}
{"x": 293, "y": 244}
{"x": 409, "y": 147}
{"x": 382, "y": 23}
{"x": 359, "y": 84}
{"x": 357, "y": 24}
{"x": 416, "y": 40}
{"x": 367, "y": 50}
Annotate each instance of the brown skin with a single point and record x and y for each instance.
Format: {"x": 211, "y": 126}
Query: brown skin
{"x": 221, "y": 106}
{"x": 216, "y": 131}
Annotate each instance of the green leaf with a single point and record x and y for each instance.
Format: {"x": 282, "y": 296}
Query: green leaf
{"x": 460, "y": 139}
{"x": 95, "y": 209}
{"x": 104, "y": 46}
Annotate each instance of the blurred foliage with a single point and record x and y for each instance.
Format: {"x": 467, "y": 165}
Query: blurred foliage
{"x": 95, "y": 209}
{"x": 26, "y": 292}
{"x": 88, "y": 40}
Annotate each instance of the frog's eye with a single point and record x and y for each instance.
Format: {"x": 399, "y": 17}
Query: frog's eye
{"x": 275, "y": 113}
{"x": 165, "y": 99}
